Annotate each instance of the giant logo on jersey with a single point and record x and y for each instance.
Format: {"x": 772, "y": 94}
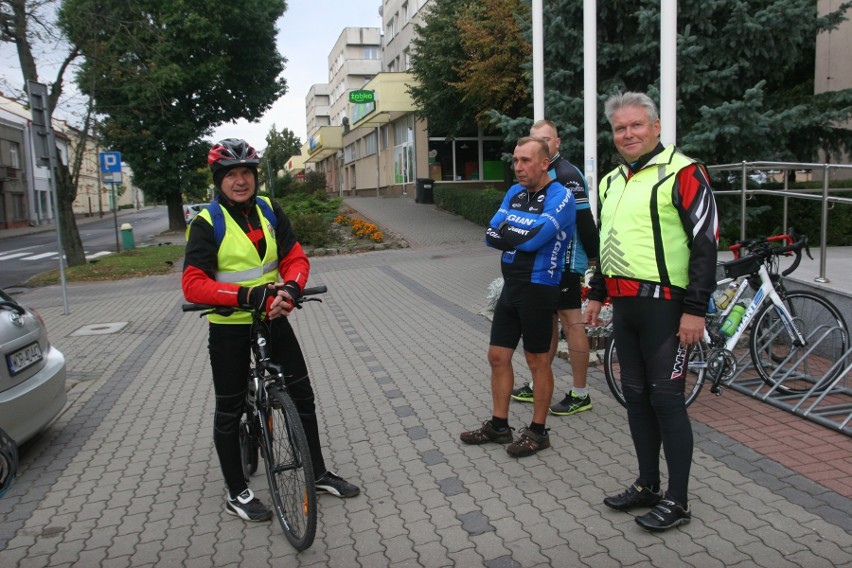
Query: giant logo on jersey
{"x": 519, "y": 220}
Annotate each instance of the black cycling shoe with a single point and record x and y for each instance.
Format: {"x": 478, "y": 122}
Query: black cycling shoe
{"x": 665, "y": 515}
{"x": 634, "y": 496}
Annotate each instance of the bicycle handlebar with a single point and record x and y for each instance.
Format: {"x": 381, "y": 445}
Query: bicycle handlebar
{"x": 750, "y": 244}
{"x": 228, "y": 310}
{"x": 796, "y": 248}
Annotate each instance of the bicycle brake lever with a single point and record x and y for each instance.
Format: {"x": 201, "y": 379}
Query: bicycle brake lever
{"x": 303, "y": 300}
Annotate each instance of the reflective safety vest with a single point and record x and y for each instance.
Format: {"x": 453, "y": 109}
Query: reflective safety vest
{"x": 238, "y": 261}
{"x": 642, "y": 235}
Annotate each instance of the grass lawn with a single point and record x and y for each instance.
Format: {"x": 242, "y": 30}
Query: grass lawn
{"x": 144, "y": 261}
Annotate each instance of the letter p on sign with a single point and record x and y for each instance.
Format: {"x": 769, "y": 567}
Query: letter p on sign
{"x": 110, "y": 162}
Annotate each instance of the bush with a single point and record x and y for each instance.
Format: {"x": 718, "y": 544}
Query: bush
{"x": 312, "y": 229}
{"x": 474, "y": 205}
{"x": 317, "y": 202}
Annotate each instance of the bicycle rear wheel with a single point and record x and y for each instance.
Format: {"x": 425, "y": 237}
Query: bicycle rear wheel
{"x": 694, "y": 377}
{"x": 289, "y": 469}
{"x": 797, "y": 368}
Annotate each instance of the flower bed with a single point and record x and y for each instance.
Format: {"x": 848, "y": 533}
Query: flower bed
{"x": 361, "y": 228}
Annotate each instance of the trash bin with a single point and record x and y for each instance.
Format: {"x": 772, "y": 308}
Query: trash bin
{"x": 423, "y": 190}
{"x": 127, "y": 237}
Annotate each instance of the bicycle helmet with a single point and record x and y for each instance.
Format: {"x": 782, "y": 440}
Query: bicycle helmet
{"x": 8, "y": 461}
{"x": 232, "y": 152}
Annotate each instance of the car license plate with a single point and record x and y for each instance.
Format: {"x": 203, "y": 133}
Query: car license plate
{"x": 23, "y": 358}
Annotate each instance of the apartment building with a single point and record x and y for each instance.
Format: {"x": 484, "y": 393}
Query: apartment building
{"x": 352, "y": 62}
{"x": 387, "y": 149}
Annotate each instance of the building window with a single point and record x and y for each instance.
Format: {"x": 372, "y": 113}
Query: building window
{"x": 349, "y": 154}
{"x": 405, "y": 16}
{"x": 406, "y": 59}
{"x": 19, "y": 207}
{"x": 403, "y": 150}
{"x": 15, "y": 160}
{"x": 371, "y": 53}
{"x": 466, "y": 159}
{"x": 370, "y": 144}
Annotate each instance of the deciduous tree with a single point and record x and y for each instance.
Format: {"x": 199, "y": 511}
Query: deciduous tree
{"x": 165, "y": 74}
{"x": 280, "y": 147}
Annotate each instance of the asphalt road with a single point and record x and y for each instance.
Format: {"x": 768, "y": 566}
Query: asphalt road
{"x": 30, "y": 254}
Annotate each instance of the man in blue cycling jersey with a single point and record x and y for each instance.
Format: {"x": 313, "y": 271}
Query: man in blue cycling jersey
{"x": 532, "y": 227}
{"x": 580, "y": 254}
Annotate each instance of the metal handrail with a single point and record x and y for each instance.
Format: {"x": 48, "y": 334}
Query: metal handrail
{"x": 745, "y": 192}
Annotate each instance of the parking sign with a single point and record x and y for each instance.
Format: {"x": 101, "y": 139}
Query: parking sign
{"x": 110, "y": 162}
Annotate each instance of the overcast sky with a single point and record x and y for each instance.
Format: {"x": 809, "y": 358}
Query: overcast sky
{"x": 306, "y": 34}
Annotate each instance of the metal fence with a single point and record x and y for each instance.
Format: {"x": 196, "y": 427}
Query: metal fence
{"x": 757, "y": 173}
{"x": 829, "y": 402}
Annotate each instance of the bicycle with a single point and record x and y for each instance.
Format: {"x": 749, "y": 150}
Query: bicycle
{"x": 271, "y": 426}
{"x": 8, "y": 461}
{"x": 795, "y": 340}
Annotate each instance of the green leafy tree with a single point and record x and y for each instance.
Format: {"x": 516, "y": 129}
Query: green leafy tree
{"x": 435, "y": 59}
{"x": 165, "y": 74}
{"x": 280, "y": 147}
{"x": 470, "y": 57}
{"x": 492, "y": 76}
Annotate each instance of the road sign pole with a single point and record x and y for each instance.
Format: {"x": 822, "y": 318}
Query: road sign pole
{"x": 42, "y": 121}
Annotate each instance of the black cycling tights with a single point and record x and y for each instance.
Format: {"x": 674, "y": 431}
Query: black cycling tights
{"x": 230, "y": 352}
{"x": 652, "y": 372}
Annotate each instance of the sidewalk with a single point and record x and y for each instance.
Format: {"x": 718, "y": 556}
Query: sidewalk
{"x": 128, "y": 475}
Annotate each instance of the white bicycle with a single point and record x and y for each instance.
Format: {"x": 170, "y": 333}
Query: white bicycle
{"x": 795, "y": 340}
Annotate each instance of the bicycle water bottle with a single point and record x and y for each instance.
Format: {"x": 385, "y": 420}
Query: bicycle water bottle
{"x": 711, "y": 306}
{"x": 728, "y": 295}
{"x": 733, "y": 320}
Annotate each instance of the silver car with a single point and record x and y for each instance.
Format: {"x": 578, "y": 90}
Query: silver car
{"x": 32, "y": 376}
{"x": 191, "y": 210}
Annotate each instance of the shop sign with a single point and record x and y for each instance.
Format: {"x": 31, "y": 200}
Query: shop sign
{"x": 362, "y": 96}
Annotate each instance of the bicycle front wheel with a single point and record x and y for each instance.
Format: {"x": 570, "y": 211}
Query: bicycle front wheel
{"x": 780, "y": 359}
{"x": 695, "y": 375}
{"x": 289, "y": 469}
{"x": 249, "y": 435}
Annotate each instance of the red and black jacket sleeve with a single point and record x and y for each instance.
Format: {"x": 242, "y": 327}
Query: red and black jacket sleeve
{"x": 693, "y": 198}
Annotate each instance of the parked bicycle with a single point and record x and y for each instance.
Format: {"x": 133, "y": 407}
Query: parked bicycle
{"x": 271, "y": 426}
{"x": 795, "y": 340}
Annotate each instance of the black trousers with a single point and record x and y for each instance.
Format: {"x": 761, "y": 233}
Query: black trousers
{"x": 653, "y": 367}
{"x": 230, "y": 356}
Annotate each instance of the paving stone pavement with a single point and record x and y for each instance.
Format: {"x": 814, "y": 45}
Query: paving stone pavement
{"x": 128, "y": 476}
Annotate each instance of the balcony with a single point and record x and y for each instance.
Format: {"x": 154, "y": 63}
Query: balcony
{"x": 8, "y": 172}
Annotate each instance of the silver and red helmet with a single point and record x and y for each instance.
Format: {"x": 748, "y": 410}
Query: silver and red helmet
{"x": 232, "y": 152}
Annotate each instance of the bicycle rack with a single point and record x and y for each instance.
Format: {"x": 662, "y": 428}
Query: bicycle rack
{"x": 830, "y": 406}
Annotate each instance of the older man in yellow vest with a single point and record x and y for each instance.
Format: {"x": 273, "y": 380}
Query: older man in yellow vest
{"x": 659, "y": 235}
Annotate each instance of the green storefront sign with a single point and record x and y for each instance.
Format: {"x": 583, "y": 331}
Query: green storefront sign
{"x": 362, "y": 96}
